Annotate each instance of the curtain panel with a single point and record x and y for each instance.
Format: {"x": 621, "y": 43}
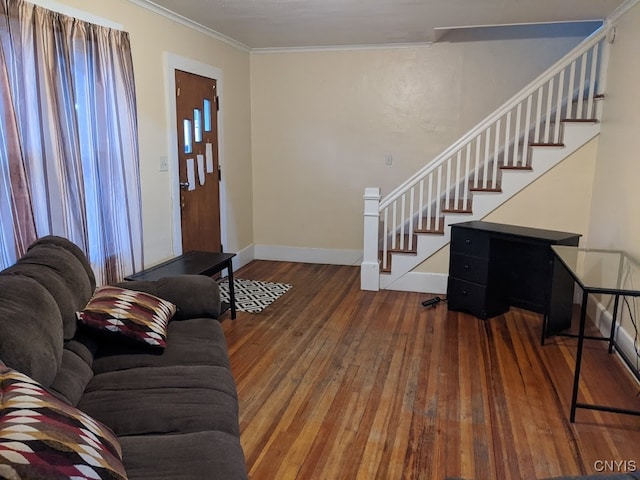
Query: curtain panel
{"x": 69, "y": 161}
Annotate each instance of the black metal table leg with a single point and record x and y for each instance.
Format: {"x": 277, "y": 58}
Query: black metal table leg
{"x": 232, "y": 292}
{"x": 576, "y": 375}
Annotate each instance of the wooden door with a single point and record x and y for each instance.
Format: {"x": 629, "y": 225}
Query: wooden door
{"x": 197, "y": 117}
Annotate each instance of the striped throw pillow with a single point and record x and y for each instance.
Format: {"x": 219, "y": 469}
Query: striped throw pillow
{"x": 136, "y": 315}
{"x": 42, "y": 437}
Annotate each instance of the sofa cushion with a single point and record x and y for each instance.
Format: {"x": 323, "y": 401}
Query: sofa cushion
{"x": 30, "y": 328}
{"x": 192, "y": 456}
{"x": 41, "y": 437}
{"x": 194, "y": 295}
{"x": 73, "y": 375}
{"x": 62, "y": 274}
{"x": 71, "y": 248}
{"x": 135, "y": 315}
{"x": 164, "y": 400}
{"x": 199, "y": 341}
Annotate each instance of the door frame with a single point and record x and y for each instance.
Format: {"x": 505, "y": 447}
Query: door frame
{"x": 173, "y": 62}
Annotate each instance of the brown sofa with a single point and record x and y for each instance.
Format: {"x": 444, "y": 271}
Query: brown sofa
{"x": 174, "y": 410}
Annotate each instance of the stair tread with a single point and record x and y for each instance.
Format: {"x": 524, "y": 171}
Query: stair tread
{"x": 437, "y": 227}
{"x": 516, "y": 167}
{"x": 580, "y": 120}
{"x": 542, "y": 144}
{"x": 453, "y": 206}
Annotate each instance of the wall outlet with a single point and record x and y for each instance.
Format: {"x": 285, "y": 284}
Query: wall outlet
{"x": 164, "y": 163}
{"x": 388, "y": 159}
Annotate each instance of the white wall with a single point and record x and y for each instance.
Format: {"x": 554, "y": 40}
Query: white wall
{"x": 323, "y": 122}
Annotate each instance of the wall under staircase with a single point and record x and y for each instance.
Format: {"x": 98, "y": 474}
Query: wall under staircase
{"x": 522, "y": 140}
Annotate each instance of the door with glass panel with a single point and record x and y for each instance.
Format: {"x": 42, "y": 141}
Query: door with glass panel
{"x": 196, "y": 108}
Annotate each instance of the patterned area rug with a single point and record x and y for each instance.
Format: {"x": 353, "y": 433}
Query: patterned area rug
{"x": 252, "y": 296}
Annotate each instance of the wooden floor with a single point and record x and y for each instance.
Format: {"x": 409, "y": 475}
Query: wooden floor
{"x": 337, "y": 383}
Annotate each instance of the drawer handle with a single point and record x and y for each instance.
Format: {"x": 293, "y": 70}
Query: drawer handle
{"x": 467, "y": 241}
{"x": 464, "y": 292}
{"x": 466, "y": 268}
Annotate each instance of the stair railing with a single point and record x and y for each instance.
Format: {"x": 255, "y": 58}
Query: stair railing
{"x": 533, "y": 116}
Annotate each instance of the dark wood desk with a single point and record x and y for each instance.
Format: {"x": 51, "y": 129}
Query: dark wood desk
{"x": 494, "y": 266}
{"x": 193, "y": 263}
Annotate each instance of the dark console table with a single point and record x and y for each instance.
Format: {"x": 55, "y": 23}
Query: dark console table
{"x": 494, "y": 266}
{"x": 193, "y": 263}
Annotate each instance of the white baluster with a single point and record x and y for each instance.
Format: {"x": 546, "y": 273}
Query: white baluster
{"x": 385, "y": 239}
{"x": 394, "y": 227}
{"x": 438, "y": 192}
{"x": 527, "y": 127}
{"x": 547, "y": 121}
{"x": 507, "y": 140}
{"x": 516, "y": 140}
{"x": 467, "y": 173}
{"x": 421, "y": 205}
{"x": 411, "y": 214}
{"x": 403, "y": 217}
{"x": 556, "y": 132}
{"x": 430, "y": 201}
{"x": 592, "y": 81}
{"x": 485, "y": 170}
{"x": 572, "y": 79}
{"x": 447, "y": 185}
{"x": 496, "y": 147}
{"x": 477, "y": 169}
{"x": 536, "y": 135}
{"x": 583, "y": 81}
{"x": 458, "y": 175}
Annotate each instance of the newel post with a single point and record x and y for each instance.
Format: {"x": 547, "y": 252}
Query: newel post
{"x": 370, "y": 267}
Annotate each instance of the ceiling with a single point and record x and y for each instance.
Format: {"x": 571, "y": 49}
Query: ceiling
{"x": 257, "y": 24}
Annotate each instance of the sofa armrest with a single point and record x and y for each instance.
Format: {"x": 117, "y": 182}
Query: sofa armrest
{"x": 193, "y": 295}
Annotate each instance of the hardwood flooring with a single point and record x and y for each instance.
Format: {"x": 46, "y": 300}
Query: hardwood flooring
{"x": 337, "y": 383}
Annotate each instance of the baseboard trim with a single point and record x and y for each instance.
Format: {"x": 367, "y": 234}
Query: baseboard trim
{"x": 308, "y": 255}
{"x": 243, "y": 257}
{"x": 422, "y": 282}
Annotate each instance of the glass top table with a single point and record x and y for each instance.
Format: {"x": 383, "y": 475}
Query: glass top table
{"x": 609, "y": 272}
{"x": 600, "y": 271}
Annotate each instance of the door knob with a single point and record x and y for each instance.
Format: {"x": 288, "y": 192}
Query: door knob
{"x": 184, "y": 185}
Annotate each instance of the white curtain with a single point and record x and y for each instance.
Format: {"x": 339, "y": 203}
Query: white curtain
{"x": 68, "y": 139}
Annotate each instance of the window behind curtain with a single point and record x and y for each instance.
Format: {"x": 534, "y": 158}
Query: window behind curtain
{"x": 68, "y": 139}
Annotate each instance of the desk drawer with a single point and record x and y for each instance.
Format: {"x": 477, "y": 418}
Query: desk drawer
{"x": 469, "y": 242}
{"x": 475, "y": 299}
{"x": 465, "y": 267}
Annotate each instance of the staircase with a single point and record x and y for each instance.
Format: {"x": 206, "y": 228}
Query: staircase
{"x": 531, "y": 133}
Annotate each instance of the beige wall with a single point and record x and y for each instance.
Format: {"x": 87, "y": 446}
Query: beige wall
{"x": 614, "y": 218}
{"x": 151, "y": 36}
{"x": 323, "y": 122}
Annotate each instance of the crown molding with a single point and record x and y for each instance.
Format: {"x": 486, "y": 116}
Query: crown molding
{"x": 332, "y": 48}
{"x": 164, "y": 12}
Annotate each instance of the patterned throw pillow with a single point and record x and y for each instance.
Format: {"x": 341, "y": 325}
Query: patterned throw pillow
{"x": 136, "y": 315}
{"x": 42, "y": 437}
